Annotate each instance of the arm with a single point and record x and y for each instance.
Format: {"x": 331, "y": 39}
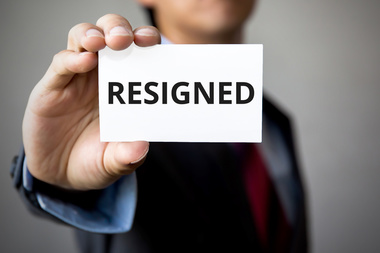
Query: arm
{"x": 110, "y": 210}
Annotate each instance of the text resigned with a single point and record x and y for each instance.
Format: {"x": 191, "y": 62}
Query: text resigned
{"x": 186, "y": 93}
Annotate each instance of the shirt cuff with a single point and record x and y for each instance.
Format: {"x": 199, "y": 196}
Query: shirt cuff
{"x": 110, "y": 210}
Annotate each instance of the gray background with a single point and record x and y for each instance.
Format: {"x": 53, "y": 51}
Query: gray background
{"x": 321, "y": 64}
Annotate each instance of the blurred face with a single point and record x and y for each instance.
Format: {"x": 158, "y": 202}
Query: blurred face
{"x": 202, "y": 17}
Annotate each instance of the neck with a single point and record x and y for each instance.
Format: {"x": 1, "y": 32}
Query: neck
{"x": 180, "y": 37}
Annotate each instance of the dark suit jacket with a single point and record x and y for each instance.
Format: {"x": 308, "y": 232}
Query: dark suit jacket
{"x": 191, "y": 198}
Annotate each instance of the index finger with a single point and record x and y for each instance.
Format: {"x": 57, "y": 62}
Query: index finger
{"x": 117, "y": 30}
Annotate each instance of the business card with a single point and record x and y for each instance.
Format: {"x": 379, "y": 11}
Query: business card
{"x": 181, "y": 93}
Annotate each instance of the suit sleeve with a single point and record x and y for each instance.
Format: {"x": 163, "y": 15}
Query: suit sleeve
{"x": 110, "y": 210}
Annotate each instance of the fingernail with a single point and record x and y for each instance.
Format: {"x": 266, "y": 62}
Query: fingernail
{"x": 86, "y": 53}
{"x": 120, "y": 31}
{"x": 146, "y": 32}
{"x": 142, "y": 157}
{"x": 94, "y": 33}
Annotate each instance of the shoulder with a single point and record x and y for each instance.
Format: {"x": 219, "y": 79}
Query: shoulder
{"x": 277, "y": 118}
{"x": 274, "y": 113}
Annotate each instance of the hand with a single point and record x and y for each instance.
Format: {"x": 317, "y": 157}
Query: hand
{"x": 61, "y": 122}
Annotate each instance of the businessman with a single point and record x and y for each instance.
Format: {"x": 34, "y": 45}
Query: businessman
{"x": 192, "y": 197}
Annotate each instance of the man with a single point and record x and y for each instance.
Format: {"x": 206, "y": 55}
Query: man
{"x": 192, "y": 197}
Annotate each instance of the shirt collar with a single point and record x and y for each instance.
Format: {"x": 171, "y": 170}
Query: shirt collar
{"x": 164, "y": 40}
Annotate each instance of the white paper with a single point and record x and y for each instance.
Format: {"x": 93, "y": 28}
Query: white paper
{"x": 181, "y": 120}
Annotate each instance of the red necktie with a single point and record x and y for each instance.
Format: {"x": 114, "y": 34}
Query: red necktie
{"x": 272, "y": 227}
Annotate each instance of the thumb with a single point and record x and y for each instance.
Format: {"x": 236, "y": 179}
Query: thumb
{"x": 122, "y": 158}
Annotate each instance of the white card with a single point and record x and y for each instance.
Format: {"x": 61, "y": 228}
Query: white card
{"x": 181, "y": 93}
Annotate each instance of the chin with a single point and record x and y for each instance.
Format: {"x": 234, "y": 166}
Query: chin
{"x": 224, "y": 20}
{"x": 223, "y": 26}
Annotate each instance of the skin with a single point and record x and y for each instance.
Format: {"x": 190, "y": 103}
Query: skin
{"x": 61, "y": 121}
{"x": 201, "y": 21}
